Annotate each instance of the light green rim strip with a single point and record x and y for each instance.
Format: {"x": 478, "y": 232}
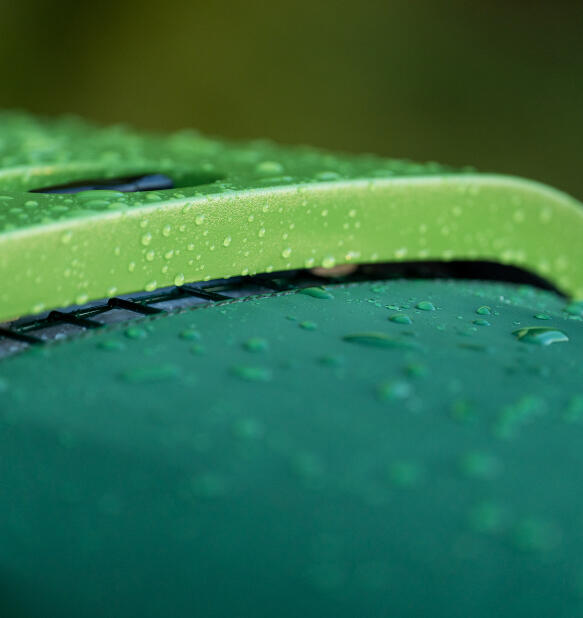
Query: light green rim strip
{"x": 261, "y": 215}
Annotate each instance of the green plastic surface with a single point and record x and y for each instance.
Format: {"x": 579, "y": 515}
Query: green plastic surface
{"x": 404, "y": 448}
{"x": 249, "y": 208}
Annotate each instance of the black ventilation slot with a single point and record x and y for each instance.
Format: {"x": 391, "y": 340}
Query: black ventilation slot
{"x": 148, "y": 182}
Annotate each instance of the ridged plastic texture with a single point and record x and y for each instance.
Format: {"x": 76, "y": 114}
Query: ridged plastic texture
{"x": 401, "y": 448}
{"x": 248, "y": 208}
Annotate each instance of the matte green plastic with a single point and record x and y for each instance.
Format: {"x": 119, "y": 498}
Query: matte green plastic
{"x": 309, "y": 455}
{"x": 249, "y": 208}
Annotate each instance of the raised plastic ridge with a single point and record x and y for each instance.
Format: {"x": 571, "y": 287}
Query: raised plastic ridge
{"x": 240, "y": 209}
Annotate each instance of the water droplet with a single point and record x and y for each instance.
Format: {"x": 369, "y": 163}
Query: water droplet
{"x": 328, "y": 262}
{"x": 111, "y": 345}
{"x": 158, "y": 373}
{"x": 146, "y": 239}
{"x": 309, "y": 262}
{"x": 539, "y": 335}
{"x": 481, "y": 322}
{"x": 151, "y": 286}
{"x": 484, "y": 310}
{"x": 269, "y": 167}
{"x": 199, "y": 219}
{"x": 66, "y": 237}
{"x": 542, "y": 316}
{"x": 462, "y": 411}
{"x": 226, "y": 241}
{"x": 331, "y": 360}
{"x": 401, "y": 318}
{"x": 317, "y": 292}
{"x": 487, "y": 518}
{"x": 286, "y": 252}
{"x": 392, "y": 390}
{"x": 574, "y": 410}
{"x": 377, "y": 340}
{"x": 179, "y": 279}
{"x": 516, "y": 415}
{"x": 416, "y": 370}
{"x": 166, "y": 230}
{"x": 136, "y": 332}
{"x": 535, "y": 535}
{"x": 252, "y": 374}
{"x": 189, "y": 335}
{"x": 425, "y": 305}
{"x": 307, "y": 325}
{"x": 261, "y": 232}
{"x": 256, "y": 344}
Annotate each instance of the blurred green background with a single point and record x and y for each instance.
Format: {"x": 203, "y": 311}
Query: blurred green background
{"x": 497, "y": 84}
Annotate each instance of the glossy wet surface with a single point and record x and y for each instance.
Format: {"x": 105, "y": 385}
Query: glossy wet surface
{"x": 378, "y": 449}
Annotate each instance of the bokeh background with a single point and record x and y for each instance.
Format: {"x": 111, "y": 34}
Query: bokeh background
{"x": 496, "y": 84}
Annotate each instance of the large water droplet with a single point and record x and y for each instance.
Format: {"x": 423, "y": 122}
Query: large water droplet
{"x": 425, "y": 305}
{"x": 317, "y": 292}
{"x": 269, "y": 167}
{"x": 540, "y": 335}
{"x": 377, "y": 340}
{"x": 189, "y": 335}
{"x": 256, "y": 344}
{"x": 401, "y": 318}
{"x": 252, "y": 374}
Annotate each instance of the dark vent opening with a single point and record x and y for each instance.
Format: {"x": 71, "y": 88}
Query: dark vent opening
{"x": 153, "y": 181}
{"x": 457, "y": 269}
{"x": 130, "y": 184}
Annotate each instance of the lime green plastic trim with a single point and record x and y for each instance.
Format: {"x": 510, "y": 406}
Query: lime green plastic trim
{"x": 244, "y": 209}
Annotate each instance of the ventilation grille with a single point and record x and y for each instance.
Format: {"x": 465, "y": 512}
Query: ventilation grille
{"x": 70, "y": 322}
